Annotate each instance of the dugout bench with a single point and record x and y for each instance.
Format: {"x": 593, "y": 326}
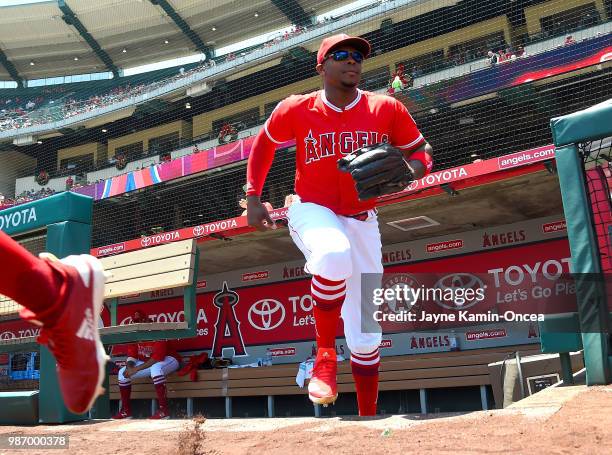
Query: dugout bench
{"x": 409, "y": 372}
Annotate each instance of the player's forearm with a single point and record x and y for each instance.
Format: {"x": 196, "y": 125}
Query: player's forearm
{"x": 260, "y": 161}
{"x": 147, "y": 364}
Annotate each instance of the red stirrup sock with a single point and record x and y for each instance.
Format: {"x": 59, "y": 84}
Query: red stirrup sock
{"x": 365, "y": 374}
{"x": 160, "y": 390}
{"x": 126, "y": 405}
{"x": 28, "y": 280}
{"x": 328, "y": 296}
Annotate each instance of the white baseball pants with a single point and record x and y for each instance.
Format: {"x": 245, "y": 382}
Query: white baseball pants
{"x": 158, "y": 371}
{"x": 340, "y": 248}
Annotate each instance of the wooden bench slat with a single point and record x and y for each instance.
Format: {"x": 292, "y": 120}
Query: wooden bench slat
{"x": 203, "y": 375}
{"x": 424, "y": 373}
{"x": 435, "y": 383}
{"x": 429, "y": 383}
{"x": 168, "y": 280}
{"x": 143, "y": 327}
{"x": 442, "y": 361}
{"x": 263, "y": 383}
{"x": 8, "y": 306}
{"x": 247, "y": 391}
{"x": 182, "y": 262}
{"x": 149, "y": 254}
{"x": 212, "y": 393}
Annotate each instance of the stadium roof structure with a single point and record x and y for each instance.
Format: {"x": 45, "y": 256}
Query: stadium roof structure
{"x": 65, "y": 37}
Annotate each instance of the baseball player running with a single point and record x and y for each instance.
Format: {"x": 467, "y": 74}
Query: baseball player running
{"x": 351, "y": 146}
{"x": 65, "y": 298}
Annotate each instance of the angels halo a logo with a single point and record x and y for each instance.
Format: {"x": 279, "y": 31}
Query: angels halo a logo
{"x": 266, "y": 314}
{"x": 455, "y": 281}
{"x": 401, "y": 281}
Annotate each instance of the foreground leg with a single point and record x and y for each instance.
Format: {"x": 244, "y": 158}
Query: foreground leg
{"x": 65, "y": 298}
{"x": 328, "y": 297}
{"x": 321, "y": 237}
{"x": 363, "y": 335}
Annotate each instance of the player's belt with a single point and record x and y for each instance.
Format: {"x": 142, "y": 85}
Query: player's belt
{"x": 360, "y": 216}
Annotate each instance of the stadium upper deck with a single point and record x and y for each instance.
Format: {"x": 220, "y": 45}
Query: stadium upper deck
{"x": 51, "y": 33}
{"x": 435, "y": 42}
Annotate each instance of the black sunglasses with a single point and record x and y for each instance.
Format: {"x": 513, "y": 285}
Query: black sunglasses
{"x": 344, "y": 55}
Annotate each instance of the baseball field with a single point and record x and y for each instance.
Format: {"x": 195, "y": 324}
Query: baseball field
{"x": 572, "y": 420}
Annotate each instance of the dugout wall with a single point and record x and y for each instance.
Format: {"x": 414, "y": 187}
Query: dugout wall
{"x": 62, "y": 224}
{"x": 583, "y": 156}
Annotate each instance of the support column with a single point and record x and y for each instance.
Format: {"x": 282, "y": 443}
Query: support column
{"x": 483, "y": 398}
{"x": 566, "y": 368}
{"x": 228, "y": 407}
{"x": 190, "y": 407}
{"x": 270, "y": 405}
{"x": 423, "y": 400}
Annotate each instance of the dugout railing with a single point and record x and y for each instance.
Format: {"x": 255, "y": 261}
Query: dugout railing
{"x": 583, "y": 154}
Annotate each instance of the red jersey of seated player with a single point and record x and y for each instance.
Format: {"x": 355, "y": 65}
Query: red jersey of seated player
{"x": 157, "y": 350}
{"x": 325, "y": 133}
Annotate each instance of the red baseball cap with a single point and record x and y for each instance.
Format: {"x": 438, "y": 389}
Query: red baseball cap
{"x": 332, "y": 42}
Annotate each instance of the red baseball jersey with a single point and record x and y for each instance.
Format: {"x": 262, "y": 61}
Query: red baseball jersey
{"x": 324, "y": 133}
{"x": 157, "y": 350}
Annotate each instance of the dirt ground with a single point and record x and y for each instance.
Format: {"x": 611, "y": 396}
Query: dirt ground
{"x": 572, "y": 420}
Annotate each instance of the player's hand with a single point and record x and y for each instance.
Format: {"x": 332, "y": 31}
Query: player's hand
{"x": 257, "y": 214}
{"x": 129, "y": 371}
{"x": 417, "y": 168}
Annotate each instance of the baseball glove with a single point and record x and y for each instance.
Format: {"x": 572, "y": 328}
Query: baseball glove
{"x": 377, "y": 169}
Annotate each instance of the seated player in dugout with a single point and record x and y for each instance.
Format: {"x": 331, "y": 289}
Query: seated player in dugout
{"x": 351, "y": 146}
{"x": 156, "y": 359}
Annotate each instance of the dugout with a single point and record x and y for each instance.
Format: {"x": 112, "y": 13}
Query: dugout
{"x": 500, "y": 219}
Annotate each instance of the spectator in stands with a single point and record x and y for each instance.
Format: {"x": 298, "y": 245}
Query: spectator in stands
{"x": 69, "y": 183}
{"x": 501, "y": 56}
{"x": 397, "y": 85}
{"x": 493, "y": 58}
{"x": 1, "y": 199}
{"x": 520, "y": 51}
{"x": 569, "y": 40}
{"x": 590, "y": 19}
